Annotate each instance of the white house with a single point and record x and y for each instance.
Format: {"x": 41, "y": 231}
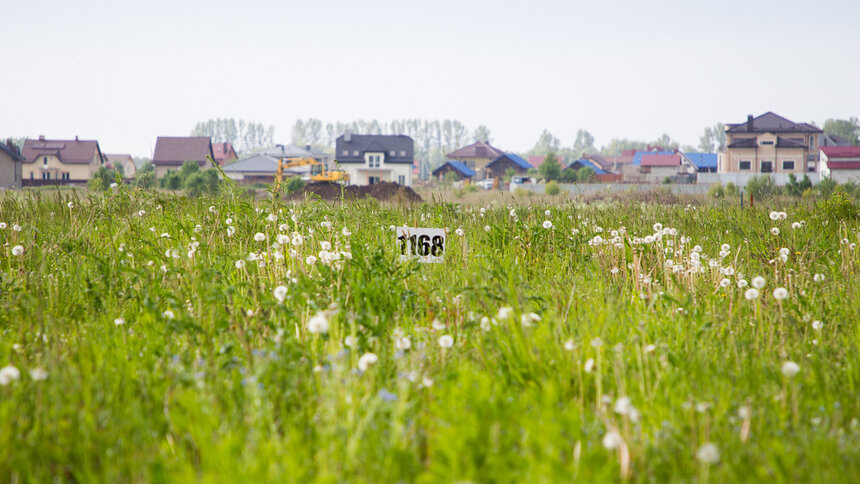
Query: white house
{"x": 840, "y": 163}
{"x": 373, "y": 158}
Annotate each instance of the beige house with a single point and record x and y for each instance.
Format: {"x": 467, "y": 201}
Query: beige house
{"x": 172, "y": 152}
{"x": 10, "y": 166}
{"x": 125, "y": 161}
{"x": 476, "y": 156}
{"x": 770, "y": 144}
{"x": 61, "y": 161}
{"x": 840, "y": 163}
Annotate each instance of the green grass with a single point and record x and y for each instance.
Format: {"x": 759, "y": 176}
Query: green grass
{"x": 234, "y": 388}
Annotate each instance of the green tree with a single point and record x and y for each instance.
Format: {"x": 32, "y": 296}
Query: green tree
{"x": 584, "y": 144}
{"x": 546, "y": 143}
{"x": 244, "y": 136}
{"x": 144, "y": 177}
{"x": 551, "y": 168}
{"x": 482, "y": 133}
{"x": 568, "y": 175}
{"x": 713, "y": 139}
{"x": 617, "y": 145}
{"x": 586, "y": 174}
{"x": 847, "y": 129}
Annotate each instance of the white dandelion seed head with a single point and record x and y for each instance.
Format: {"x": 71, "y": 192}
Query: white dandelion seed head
{"x": 570, "y": 345}
{"x": 280, "y": 293}
{"x": 446, "y": 341}
{"x": 817, "y": 325}
{"x": 168, "y": 314}
{"x": 589, "y": 365}
{"x": 751, "y": 293}
{"x": 612, "y": 440}
{"x": 774, "y": 231}
{"x": 38, "y": 374}
{"x": 8, "y": 374}
{"x": 708, "y": 453}
{"x": 504, "y": 312}
{"x": 366, "y": 361}
{"x": 318, "y": 324}
{"x": 780, "y": 293}
{"x": 547, "y": 224}
{"x": 790, "y": 369}
{"x": 259, "y": 236}
{"x": 758, "y": 282}
{"x": 17, "y": 250}
{"x": 310, "y": 260}
{"x": 486, "y": 228}
{"x": 818, "y": 277}
{"x": 119, "y": 321}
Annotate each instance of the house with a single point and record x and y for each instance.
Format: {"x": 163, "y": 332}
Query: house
{"x": 10, "y": 165}
{"x": 172, "y": 152}
{"x": 704, "y": 162}
{"x": 223, "y": 153}
{"x": 657, "y": 167}
{"x": 603, "y": 172}
{"x": 840, "y": 163}
{"x": 374, "y": 158}
{"x": 833, "y": 140}
{"x": 124, "y": 161}
{"x": 458, "y": 168}
{"x": 60, "y": 161}
{"x": 477, "y": 156}
{"x": 499, "y": 166}
{"x": 612, "y": 163}
{"x": 770, "y": 144}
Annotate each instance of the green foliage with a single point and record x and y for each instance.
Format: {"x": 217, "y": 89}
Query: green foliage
{"x": 762, "y": 187}
{"x": 826, "y": 187}
{"x": 546, "y": 144}
{"x": 796, "y": 188}
{"x": 243, "y": 135}
{"x": 838, "y": 207}
{"x": 731, "y": 189}
{"x": 550, "y": 169}
{"x": 190, "y": 178}
{"x": 717, "y": 191}
{"x": 568, "y": 175}
{"x": 103, "y": 177}
{"x": 144, "y": 177}
{"x": 171, "y": 180}
{"x": 552, "y": 188}
{"x": 847, "y": 129}
{"x": 293, "y": 184}
{"x": 509, "y": 174}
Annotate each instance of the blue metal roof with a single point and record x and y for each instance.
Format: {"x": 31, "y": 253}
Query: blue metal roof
{"x": 462, "y": 168}
{"x": 525, "y": 165}
{"x": 703, "y": 160}
{"x": 637, "y": 158}
{"x": 589, "y": 164}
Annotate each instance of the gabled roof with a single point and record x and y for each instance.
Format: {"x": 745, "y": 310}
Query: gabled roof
{"x": 841, "y": 151}
{"x": 771, "y": 123}
{"x": 78, "y": 152}
{"x": 637, "y": 158}
{"x": 400, "y": 145}
{"x": 12, "y": 152}
{"x": 587, "y": 163}
{"x": 480, "y": 149}
{"x": 174, "y": 151}
{"x": 702, "y": 160}
{"x": 458, "y": 166}
{"x": 744, "y": 143}
{"x": 788, "y": 143}
{"x": 602, "y": 162}
{"x": 114, "y": 157}
{"x": 515, "y": 159}
{"x": 661, "y": 159}
{"x": 258, "y": 163}
{"x": 221, "y": 151}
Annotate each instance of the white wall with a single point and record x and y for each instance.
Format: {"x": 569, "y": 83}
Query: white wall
{"x": 741, "y": 179}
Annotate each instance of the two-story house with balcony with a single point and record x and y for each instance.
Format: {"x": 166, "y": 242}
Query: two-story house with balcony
{"x": 61, "y": 161}
{"x": 374, "y": 158}
{"x": 770, "y": 144}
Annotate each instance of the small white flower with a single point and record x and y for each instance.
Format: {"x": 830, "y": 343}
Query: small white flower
{"x": 460, "y": 232}
{"x": 623, "y": 406}
{"x": 485, "y": 323}
{"x": 708, "y": 453}
{"x": 745, "y": 412}
{"x": 796, "y": 225}
{"x": 350, "y": 341}
{"x": 230, "y": 231}
{"x": 168, "y": 314}
{"x": 817, "y": 325}
{"x": 16, "y": 228}
{"x": 589, "y": 365}
{"x": 774, "y": 231}
{"x": 240, "y": 264}
{"x": 547, "y": 224}
{"x": 259, "y": 236}
{"x": 310, "y": 260}
{"x": 70, "y": 205}
{"x": 612, "y": 440}
{"x": 427, "y": 381}
{"x": 119, "y": 321}
{"x": 758, "y": 282}
{"x": 17, "y": 250}
{"x": 437, "y": 325}
{"x": 742, "y": 283}
{"x": 818, "y": 277}
{"x": 529, "y": 319}
{"x": 2, "y": 225}
{"x": 272, "y": 217}
{"x": 280, "y": 293}
{"x": 596, "y": 343}
{"x": 446, "y": 341}
{"x": 7, "y": 374}
{"x": 402, "y": 343}
{"x": 790, "y": 369}
{"x": 780, "y": 293}
{"x": 570, "y": 345}
{"x": 725, "y": 282}
{"x": 751, "y": 293}
{"x": 38, "y": 374}
{"x": 774, "y": 215}
{"x": 318, "y": 324}
{"x": 366, "y": 361}
{"x": 486, "y": 228}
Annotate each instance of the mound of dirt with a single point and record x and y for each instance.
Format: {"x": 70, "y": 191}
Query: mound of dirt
{"x": 383, "y": 191}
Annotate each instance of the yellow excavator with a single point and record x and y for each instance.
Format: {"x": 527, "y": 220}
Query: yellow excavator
{"x": 319, "y": 171}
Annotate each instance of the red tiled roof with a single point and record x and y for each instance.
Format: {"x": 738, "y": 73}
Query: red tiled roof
{"x": 113, "y": 158}
{"x": 476, "y": 150}
{"x": 843, "y": 165}
{"x": 172, "y": 151}
{"x": 841, "y": 151}
{"x": 661, "y": 160}
{"x": 80, "y": 152}
{"x": 223, "y": 152}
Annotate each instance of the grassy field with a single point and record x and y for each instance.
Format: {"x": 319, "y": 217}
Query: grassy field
{"x": 155, "y": 338}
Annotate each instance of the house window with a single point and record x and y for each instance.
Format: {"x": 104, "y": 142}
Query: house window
{"x": 744, "y": 165}
{"x": 45, "y": 161}
{"x": 392, "y": 153}
{"x": 373, "y": 161}
{"x": 372, "y": 180}
{"x": 766, "y": 166}
{"x": 345, "y": 152}
{"x": 355, "y": 153}
{"x": 788, "y": 166}
{"x": 66, "y": 176}
{"x": 812, "y": 142}
{"x": 401, "y": 179}
{"x": 46, "y": 175}
{"x": 402, "y": 152}
{"x": 766, "y": 143}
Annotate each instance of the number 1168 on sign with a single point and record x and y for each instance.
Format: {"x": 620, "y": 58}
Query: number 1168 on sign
{"x": 427, "y": 245}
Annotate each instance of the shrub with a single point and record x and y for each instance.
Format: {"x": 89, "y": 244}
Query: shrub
{"x": 762, "y": 186}
{"x": 552, "y": 188}
{"x": 826, "y": 187}
{"x": 837, "y": 207}
{"x": 731, "y": 189}
{"x": 716, "y": 191}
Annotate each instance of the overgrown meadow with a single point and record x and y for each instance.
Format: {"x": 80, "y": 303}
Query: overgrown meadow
{"x": 150, "y": 337}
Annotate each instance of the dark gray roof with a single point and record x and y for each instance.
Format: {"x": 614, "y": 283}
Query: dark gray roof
{"x": 289, "y": 151}
{"x": 397, "y": 148}
{"x": 263, "y": 164}
{"x": 13, "y": 153}
{"x": 771, "y": 123}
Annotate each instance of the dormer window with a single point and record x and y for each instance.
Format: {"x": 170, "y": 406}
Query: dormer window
{"x": 45, "y": 161}
{"x": 374, "y": 160}
{"x": 763, "y": 143}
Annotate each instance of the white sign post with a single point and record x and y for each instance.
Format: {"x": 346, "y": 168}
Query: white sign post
{"x": 427, "y": 245}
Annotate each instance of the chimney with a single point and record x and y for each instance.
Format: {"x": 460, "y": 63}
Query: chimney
{"x": 76, "y": 137}
{"x": 749, "y": 122}
{"x": 308, "y": 147}
{"x": 347, "y": 136}
{"x": 41, "y": 137}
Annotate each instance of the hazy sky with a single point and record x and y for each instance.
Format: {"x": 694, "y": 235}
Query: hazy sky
{"x": 127, "y": 72}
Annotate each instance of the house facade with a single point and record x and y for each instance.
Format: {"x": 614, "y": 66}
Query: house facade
{"x": 60, "y": 161}
{"x": 840, "y": 163}
{"x": 125, "y": 161}
{"x": 476, "y": 156}
{"x": 10, "y": 166}
{"x": 375, "y": 158}
{"x": 499, "y": 166}
{"x": 223, "y": 153}
{"x": 172, "y": 152}
{"x": 770, "y": 144}
{"x": 458, "y": 168}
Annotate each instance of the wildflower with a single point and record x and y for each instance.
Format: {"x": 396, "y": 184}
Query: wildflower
{"x": 742, "y": 283}
{"x": 350, "y": 341}
{"x": 612, "y": 440}
{"x": 318, "y": 324}
{"x": 529, "y": 319}
{"x": 119, "y": 321}
{"x": 297, "y": 239}
{"x": 272, "y": 217}
{"x": 782, "y": 215}
{"x": 427, "y": 381}
{"x": 774, "y": 231}
{"x": 402, "y": 343}
{"x": 751, "y": 293}
{"x": 437, "y": 325}
{"x": 547, "y": 224}
{"x": 7, "y": 374}
{"x": 446, "y": 341}
{"x": 780, "y": 293}
{"x": 504, "y": 312}
{"x": 657, "y": 227}
{"x": 230, "y": 231}
{"x": 38, "y": 374}
{"x": 2, "y": 225}
{"x": 623, "y": 406}
{"x": 745, "y": 412}
{"x": 325, "y": 245}
{"x": 569, "y": 345}
{"x": 784, "y": 251}
{"x": 16, "y": 228}
{"x": 17, "y": 250}
{"x": 228, "y": 221}
{"x": 282, "y": 239}
{"x": 725, "y": 282}
{"x": 70, "y": 205}
{"x": 240, "y": 264}
{"x": 589, "y": 365}
{"x": 280, "y": 293}
{"x": 774, "y": 215}
{"x": 259, "y": 236}
{"x": 796, "y": 225}
{"x": 790, "y": 369}
{"x": 460, "y": 232}
{"x": 758, "y": 282}
{"x": 818, "y": 277}
{"x": 485, "y": 323}
{"x": 708, "y": 453}
{"x": 168, "y": 314}
{"x": 596, "y": 343}
{"x": 310, "y": 260}
{"x": 513, "y": 212}
{"x": 650, "y": 348}
{"x": 486, "y": 228}
{"x": 366, "y": 361}
{"x": 817, "y": 325}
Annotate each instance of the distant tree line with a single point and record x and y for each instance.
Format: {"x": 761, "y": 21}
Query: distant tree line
{"x": 245, "y": 136}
